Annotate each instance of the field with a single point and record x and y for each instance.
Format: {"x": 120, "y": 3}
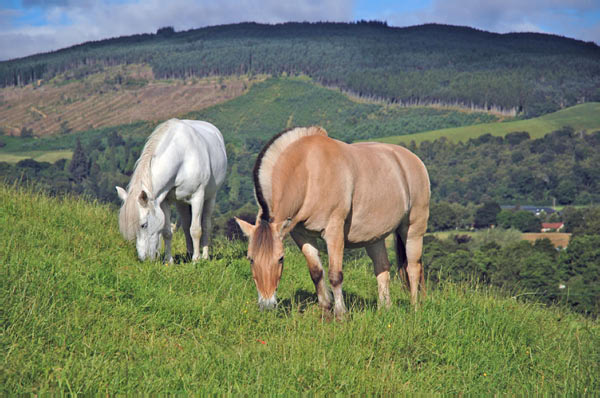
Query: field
{"x": 108, "y": 97}
{"x": 558, "y": 239}
{"x": 580, "y": 117}
{"x": 81, "y": 314}
{"x": 38, "y": 156}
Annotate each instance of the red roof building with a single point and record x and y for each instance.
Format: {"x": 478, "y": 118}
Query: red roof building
{"x": 552, "y": 226}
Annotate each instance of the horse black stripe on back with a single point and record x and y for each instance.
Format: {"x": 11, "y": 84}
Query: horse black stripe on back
{"x": 260, "y": 198}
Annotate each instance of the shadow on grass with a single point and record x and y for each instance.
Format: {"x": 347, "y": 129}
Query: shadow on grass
{"x": 304, "y": 300}
{"x": 182, "y": 258}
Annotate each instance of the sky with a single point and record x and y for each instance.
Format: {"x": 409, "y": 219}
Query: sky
{"x": 33, "y": 26}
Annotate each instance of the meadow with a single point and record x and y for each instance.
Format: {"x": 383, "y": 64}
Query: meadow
{"x": 79, "y": 313}
{"x": 579, "y": 117}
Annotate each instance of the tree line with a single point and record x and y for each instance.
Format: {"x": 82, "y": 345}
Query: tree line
{"x": 523, "y": 73}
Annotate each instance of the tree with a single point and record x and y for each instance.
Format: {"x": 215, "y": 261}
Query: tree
{"x": 580, "y": 263}
{"x": 485, "y": 216}
{"x": 441, "y": 217}
{"x": 79, "y": 167}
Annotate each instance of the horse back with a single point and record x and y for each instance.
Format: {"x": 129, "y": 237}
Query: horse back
{"x": 191, "y": 155}
{"x": 372, "y": 186}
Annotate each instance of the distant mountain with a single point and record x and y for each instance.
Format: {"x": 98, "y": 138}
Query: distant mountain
{"x": 518, "y": 73}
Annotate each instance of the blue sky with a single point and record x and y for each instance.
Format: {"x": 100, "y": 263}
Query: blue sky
{"x": 32, "y": 26}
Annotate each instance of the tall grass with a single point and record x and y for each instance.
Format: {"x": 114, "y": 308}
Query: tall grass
{"x": 79, "y": 313}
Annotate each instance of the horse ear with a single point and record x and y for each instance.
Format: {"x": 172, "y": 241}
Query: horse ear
{"x": 246, "y": 228}
{"x": 122, "y": 193}
{"x": 143, "y": 198}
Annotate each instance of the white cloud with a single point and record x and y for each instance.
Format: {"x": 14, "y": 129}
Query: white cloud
{"x": 562, "y": 17}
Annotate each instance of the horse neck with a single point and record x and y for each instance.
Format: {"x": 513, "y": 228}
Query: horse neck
{"x": 288, "y": 187}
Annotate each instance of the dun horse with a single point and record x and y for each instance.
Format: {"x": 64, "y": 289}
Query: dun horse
{"x": 184, "y": 162}
{"x": 351, "y": 195}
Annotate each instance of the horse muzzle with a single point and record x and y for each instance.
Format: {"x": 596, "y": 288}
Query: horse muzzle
{"x": 267, "y": 303}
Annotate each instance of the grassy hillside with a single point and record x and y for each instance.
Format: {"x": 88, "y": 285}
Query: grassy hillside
{"x": 280, "y": 103}
{"x": 81, "y": 314}
{"x": 580, "y": 117}
{"x": 266, "y": 108}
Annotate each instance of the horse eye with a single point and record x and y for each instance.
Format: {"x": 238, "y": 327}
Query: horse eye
{"x": 144, "y": 225}
{"x": 281, "y": 260}
{"x": 251, "y": 261}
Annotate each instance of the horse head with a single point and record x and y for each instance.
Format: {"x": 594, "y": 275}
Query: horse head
{"x": 141, "y": 218}
{"x": 265, "y": 252}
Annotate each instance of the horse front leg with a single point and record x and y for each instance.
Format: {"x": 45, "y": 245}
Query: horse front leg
{"x": 197, "y": 204}
{"x": 308, "y": 246}
{"x": 167, "y": 232}
{"x": 334, "y": 237}
{"x": 185, "y": 215}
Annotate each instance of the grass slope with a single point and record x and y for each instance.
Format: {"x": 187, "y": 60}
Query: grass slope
{"x": 39, "y": 156}
{"x": 81, "y": 314}
{"x": 280, "y": 103}
{"x": 269, "y": 107}
{"x": 580, "y": 117}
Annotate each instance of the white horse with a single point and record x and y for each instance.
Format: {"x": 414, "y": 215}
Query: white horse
{"x": 183, "y": 161}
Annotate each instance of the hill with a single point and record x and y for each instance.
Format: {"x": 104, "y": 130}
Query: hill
{"x": 579, "y": 117}
{"x": 513, "y": 73}
{"x": 81, "y": 314}
{"x": 110, "y": 96}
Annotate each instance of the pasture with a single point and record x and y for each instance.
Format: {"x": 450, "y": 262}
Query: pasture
{"x": 81, "y": 314}
{"x": 580, "y": 117}
{"x": 38, "y": 156}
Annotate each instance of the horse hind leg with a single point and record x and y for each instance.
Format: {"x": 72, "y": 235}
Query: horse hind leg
{"x": 414, "y": 253}
{"x": 197, "y": 204}
{"x": 381, "y": 268}
{"x": 206, "y": 223}
{"x": 401, "y": 261}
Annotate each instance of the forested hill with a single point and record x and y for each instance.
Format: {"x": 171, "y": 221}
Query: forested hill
{"x": 523, "y": 73}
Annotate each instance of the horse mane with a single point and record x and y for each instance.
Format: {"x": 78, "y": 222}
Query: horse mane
{"x": 141, "y": 178}
{"x": 265, "y": 163}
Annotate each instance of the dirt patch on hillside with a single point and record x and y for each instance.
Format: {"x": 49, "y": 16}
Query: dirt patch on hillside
{"x": 110, "y": 97}
{"x": 558, "y": 239}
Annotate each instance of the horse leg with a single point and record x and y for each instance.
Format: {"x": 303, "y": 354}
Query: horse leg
{"x": 167, "y": 233}
{"x": 197, "y": 203}
{"x": 381, "y": 267}
{"x": 206, "y": 223}
{"x": 308, "y": 246}
{"x": 401, "y": 263}
{"x": 334, "y": 237}
{"x": 185, "y": 215}
{"x": 414, "y": 252}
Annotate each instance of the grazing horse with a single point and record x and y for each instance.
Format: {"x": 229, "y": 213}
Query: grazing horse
{"x": 183, "y": 161}
{"x": 351, "y": 195}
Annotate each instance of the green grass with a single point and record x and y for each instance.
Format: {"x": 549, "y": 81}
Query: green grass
{"x": 580, "y": 117}
{"x": 79, "y": 313}
{"x": 279, "y": 103}
{"x": 39, "y": 156}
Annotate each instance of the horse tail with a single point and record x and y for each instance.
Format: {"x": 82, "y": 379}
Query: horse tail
{"x": 401, "y": 259}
